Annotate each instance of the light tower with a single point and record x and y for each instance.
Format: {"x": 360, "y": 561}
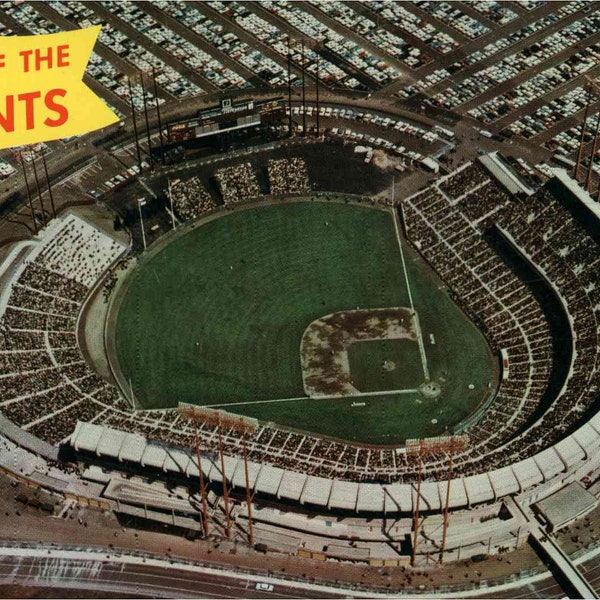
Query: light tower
{"x": 422, "y": 448}
{"x": 142, "y": 202}
{"x": 22, "y": 162}
{"x": 241, "y": 425}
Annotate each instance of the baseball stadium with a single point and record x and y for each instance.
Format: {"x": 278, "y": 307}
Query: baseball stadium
{"x": 220, "y": 316}
{"x": 299, "y": 317}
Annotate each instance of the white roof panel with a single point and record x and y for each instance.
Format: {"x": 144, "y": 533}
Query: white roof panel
{"x": 527, "y": 473}
{"x": 232, "y": 464}
{"x": 211, "y": 466}
{"x": 291, "y": 485}
{"x": 399, "y": 497}
{"x": 370, "y": 497}
{"x": 214, "y": 473}
{"x": 269, "y": 479}
{"x": 570, "y": 451}
{"x": 86, "y": 436}
{"x": 110, "y": 442}
{"x": 191, "y": 469}
{"x": 154, "y": 455}
{"x": 343, "y": 495}
{"x": 587, "y": 437}
{"x": 239, "y": 479}
{"x": 549, "y": 463}
{"x": 503, "y": 481}
{"x": 479, "y": 488}
{"x": 316, "y": 490}
{"x": 431, "y": 495}
{"x": 458, "y": 495}
{"x": 133, "y": 448}
{"x": 176, "y": 461}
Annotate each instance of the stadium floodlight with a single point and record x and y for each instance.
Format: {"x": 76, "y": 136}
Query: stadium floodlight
{"x": 142, "y": 202}
{"x": 435, "y": 446}
{"x": 171, "y": 202}
{"x": 220, "y": 419}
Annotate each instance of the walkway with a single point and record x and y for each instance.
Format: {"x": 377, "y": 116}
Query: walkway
{"x": 559, "y": 558}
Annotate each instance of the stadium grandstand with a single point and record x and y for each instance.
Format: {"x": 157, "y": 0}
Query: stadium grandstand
{"x": 321, "y": 305}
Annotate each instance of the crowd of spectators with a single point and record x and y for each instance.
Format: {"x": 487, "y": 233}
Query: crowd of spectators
{"x": 288, "y": 176}
{"x": 238, "y": 183}
{"x": 446, "y": 222}
{"x": 46, "y": 385}
{"x": 569, "y": 259}
{"x": 190, "y": 198}
{"x": 487, "y": 290}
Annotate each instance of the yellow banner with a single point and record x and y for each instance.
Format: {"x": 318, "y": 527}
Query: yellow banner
{"x": 43, "y": 96}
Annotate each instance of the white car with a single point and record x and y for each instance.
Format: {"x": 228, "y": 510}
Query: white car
{"x": 264, "y": 587}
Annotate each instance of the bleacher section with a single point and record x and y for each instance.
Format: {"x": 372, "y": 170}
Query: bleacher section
{"x": 45, "y": 384}
{"x": 48, "y": 387}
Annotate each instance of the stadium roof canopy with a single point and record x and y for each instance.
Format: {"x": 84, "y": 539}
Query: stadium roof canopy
{"x": 577, "y": 191}
{"x": 567, "y": 505}
{"x": 26, "y": 440}
{"x": 529, "y": 476}
{"x": 500, "y": 171}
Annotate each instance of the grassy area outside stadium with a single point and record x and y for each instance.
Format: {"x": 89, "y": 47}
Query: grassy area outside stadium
{"x": 215, "y": 315}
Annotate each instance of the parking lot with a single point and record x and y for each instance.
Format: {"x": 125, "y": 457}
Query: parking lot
{"x": 518, "y": 69}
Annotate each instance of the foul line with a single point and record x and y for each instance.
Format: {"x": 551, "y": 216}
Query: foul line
{"x": 412, "y": 306}
{"x": 348, "y": 397}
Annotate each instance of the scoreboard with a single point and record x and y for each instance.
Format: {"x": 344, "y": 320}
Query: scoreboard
{"x": 227, "y": 116}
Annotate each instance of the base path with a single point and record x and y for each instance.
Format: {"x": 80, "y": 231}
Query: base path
{"x": 325, "y": 343}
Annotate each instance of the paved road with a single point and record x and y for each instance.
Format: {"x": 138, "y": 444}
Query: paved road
{"x": 91, "y": 573}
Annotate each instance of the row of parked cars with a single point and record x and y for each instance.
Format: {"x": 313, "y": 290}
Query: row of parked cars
{"x": 497, "y": 12}
{"x": 513, "y": 65}
{"x": 117, "y": 41}
{"x": 279, "y": 41}
{"x": 370, "y": 118}
{"x": 103, "y": 71}
{"x": 398, "y": 14}
{"x": 495, "y": 46}
{"x": 535, "y": 88}
{"x": 347, "y": 50}
{"x": 6, "y": 169}
{"x": 194, "y": 57}
{"x": 567, "y": 142}
{"x": 550, "y": 113}
{"x": 224, "y": 40}
{"x": 385, "y": 40}
{"x": 453, "y": 16}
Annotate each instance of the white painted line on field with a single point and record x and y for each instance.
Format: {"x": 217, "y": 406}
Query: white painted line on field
{"x": 348, "y": 397}
{"x": 412, "y": 306}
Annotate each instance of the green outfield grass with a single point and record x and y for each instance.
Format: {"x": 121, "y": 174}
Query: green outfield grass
{"x": 216, "y": 318}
